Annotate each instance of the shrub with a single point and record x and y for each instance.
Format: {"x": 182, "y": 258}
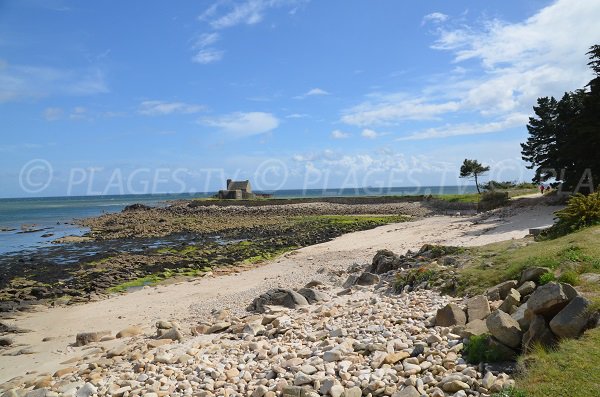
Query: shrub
{"x": 581, "y": 211}
{"x": 479, "y": 349}
{"x": 569, "y": 277}
{"x": 546, "y": 278}
{"x": 492, "y": 199}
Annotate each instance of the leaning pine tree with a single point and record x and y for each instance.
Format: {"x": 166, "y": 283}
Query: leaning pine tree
{"x": 473, "y": 169}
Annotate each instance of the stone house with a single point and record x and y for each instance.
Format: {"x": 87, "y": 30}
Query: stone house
{"x": 237, "y": 190}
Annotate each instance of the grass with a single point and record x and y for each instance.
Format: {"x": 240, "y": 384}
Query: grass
{"x": 156, "y": 278}
{"x": 567, "y": 257}
{"x": 459, "y": 198}
{"x": 570, "y": 370}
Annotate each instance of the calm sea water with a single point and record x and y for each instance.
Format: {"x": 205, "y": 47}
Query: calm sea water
{"x": 54, "y": 215}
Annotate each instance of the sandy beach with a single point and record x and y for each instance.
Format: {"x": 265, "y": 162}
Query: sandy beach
{"x": 189, "y": 302}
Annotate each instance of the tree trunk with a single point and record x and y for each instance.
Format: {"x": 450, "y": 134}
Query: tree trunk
{"x": 476, "y": 183}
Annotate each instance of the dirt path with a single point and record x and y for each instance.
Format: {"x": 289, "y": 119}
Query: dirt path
{"x": 188, "y": 302}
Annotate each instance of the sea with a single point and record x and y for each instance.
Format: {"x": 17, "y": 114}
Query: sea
{"x": 30, "y": 223}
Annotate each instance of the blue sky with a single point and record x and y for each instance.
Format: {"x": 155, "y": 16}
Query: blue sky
{"x": 132, "y": 97}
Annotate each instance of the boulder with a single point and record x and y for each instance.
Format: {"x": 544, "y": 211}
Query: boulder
{"x": 367, "y": 278}
{"x": 383, "y": 262}
{"x": 129, "y": 331}
{"x": 533, "y": 274}
{"x": 511, "y": 302}
{"x": 172, "y": 334}
{"x": 278, "y": 297}
{"x": 85, "y": 338}
{"x": 526, "y": 288}
{"x": 504, "y": 328}
{"x": 538, "y": 332}
{"x": 474, "y": 328}
{"x": 520, "y": 316}
{"x": 350, "y": 281}
{"x": 501, "y": 352}
{"x": 500, "y": 291}
{"x": 450, "y": 315}
{"x": 478, "y": 308}
{"x": 547, "y": 300}
{"x": 571, "y": 321}
{"x": 313, "y": 296}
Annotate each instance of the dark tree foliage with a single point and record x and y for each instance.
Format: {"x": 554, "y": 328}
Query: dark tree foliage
{"x": 564, "y": 136}
{"x": 473, "y": 169}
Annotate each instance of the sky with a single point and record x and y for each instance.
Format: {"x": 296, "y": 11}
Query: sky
{"x": 118, "y": 97}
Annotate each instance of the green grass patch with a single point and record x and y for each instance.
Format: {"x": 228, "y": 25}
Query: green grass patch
{"x": 570, "y": 370}
{"x": 566, "y": 256}
{"x": 459, "y": 198}
{"x": 156, "y": 278}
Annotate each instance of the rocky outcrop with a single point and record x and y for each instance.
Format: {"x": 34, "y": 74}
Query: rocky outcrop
{"x": 571, "y": 321}
{"x": 548, "y": 300}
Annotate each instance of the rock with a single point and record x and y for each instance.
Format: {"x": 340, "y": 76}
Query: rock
{"x": 408, "y": 391}
{"x": 549, "y": 299}
{"x": 6, "y": 341}
{"x": 570, "y": 321}
{"x": 260, "y": 391}
{"x": 384, "y": 261}
{"x": 64, "y": 371}
{"x": 533, "y": 274}
{"x": 478, "y": 308}
{"x": 367, "y": 278}
{"x": 350, "y": 281}
{"x": 41, "y": 393}
{"x": 526, "y": 288}
{"x": 253, "y": 329}
{"x": 538, "y": 332}
{"x": 450, "y": 315}
{"x": 172, "y": 334}
{"x": 500, "y": 351}
{"x": 302, "y": 379}
{"x": 313, "y": 296}
{"x": 86, "y": 390}
{"x": 278, "y": 297}
{"x": 353, "y": 392}
{"x": 295, "y": 391}
{"x": 129, "y": 331}
{"x": 332, "y": 355}
{"x": 520, "y": 316}
{"x": 592, "y": 278}
{"x": 117, "y": 351}
{"x": 504, "y": 328}
{"x": 499, "y": 292}
{"x": 85, "y": 338}
{"x": 511, "y": 302}
{"x": 474, "y": 328}
{"x": 336, "y": 391}
{"x": 164, "y": 324}
{"x": 453, "y": 386}
{"x": 218, "y": 327}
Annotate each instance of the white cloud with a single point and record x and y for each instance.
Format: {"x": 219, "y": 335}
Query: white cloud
{"x": 338, "y": 134}
{"x": 226, "y": 14}
{"x": 78, "y": 113}
{"x": 18, "y": 82}
{"x": 512, "y": 64}
{"x": 208, "y": 55}
{"x": 296, "y": 116}
{"x": 244, "y": 124}
{"x": 435, "y": 17}
{"x": 52, "y": 114}
{"x": 158, "y": 108}
{"x": 449, "y": 130}
{"x": 313, "y": 92}
{"x": 206, "y": 39}
{"x": 369, "y": 134}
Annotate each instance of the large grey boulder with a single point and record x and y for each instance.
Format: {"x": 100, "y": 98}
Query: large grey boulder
{"x": 278, "y": 297}
{"x": 450, "y": 315}
{"x": 384, "y": 261}
{"x": 533, "y": 274}
{"x": 520, "y": 316}
{"x": 312, "y": 295}
{"x": 526, "y": 288}
{"x": 570, "y": 321}
{"x": 504, "y": 328}
{"x": 547, "y": 300}
{"x": 538, "y": 332}
{"x": 367, "y": 278}
{"x": 500, "y": 291}
{"x": 478, "y": 308}
{"x": 473, "y": 328}
{"x": 511, "y": 302}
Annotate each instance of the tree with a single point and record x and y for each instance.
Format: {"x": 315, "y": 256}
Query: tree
{"x": 564, "y": 135}
{"x": 473, "y": 169}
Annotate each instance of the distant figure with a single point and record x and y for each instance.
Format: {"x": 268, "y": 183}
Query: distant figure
{"x": 542, "y": 189}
